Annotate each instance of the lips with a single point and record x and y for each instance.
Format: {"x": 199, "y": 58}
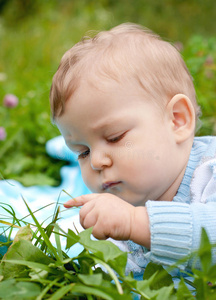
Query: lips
{"x": 110, "y": 184}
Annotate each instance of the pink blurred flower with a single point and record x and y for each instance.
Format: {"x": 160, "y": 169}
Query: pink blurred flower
{"x": 3, "y": 134}
{"x": 209, "y": 60}
{"x": 10, "y": 100}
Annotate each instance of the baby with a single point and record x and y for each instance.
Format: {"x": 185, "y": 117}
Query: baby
{"x": 124, "y": 101}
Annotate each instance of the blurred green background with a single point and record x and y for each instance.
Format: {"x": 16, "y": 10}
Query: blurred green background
{"x": 34, "y": 34}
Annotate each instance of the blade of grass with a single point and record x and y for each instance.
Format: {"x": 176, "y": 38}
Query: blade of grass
{"x": 43, "y": 234}
{"x": 11, "y": 212}
{"x": 61, "y": 292}
{"x": 49, "y": 229}
{"x": 112, "y": 274}
{"x": 18, "y": 221}
{"x": 58, "y": 243}
{"x": 37, "y": 211}
{"x": 2, "y": 178}
{"x": 9, "y": 224}
{"x": 32, "y": 265}
{"x": 85, "y": 290}
{"x": 75, "y": 228}
{"x": 47, "y": 288}
{"x": 69, "y": 195}
{"x": 56, "y": 206}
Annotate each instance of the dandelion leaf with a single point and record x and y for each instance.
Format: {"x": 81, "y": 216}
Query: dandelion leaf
{"x": 11, "y": 289}
{"x": 24, "y": 233}
{"x": 205, "y": 252}
{"x": 161, "y": 279}
{"x": 25, "y": 251}
{"x": 72, "y": 239}
{"x": 92, "y": 280}
{"x": 183, "y": 291}
{"x": 104, "y": 250}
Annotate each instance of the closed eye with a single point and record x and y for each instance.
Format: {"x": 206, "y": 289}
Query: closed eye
{"x": 84, "y": 154}
{"x": 116, "y": 139}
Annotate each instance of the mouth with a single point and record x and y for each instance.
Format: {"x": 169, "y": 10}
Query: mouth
{"x": 109, "y": 184}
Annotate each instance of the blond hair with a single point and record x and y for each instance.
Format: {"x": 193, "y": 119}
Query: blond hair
{"x": 127, "y": 51}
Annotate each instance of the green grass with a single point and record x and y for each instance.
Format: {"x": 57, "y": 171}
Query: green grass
{"x": 34, "y": 268}
{"x": 35, "y": 34}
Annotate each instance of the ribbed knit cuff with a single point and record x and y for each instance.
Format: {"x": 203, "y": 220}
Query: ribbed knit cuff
{"x": 171, "y": 231}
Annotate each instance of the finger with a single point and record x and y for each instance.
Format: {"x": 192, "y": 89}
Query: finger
{"x": 89, "y": 220}
{"x": 79, "y": 201}
{"x": 86, "y": 210}
{"x": 99, "y": 233}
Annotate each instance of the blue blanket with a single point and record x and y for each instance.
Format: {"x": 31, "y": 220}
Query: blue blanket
{"x": 46, "y": 197}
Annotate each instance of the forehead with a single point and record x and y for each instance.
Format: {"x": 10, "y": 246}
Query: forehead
{"x": 94, "y": 106}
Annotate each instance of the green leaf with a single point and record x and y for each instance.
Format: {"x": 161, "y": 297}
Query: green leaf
{"x": 92, "y": 280}
{"x": 24, "y": 233}
{"x": 161, "y": 279}
{"x": 183, "y": 291}
{"x": 212, "y": 274}
{"x": 200, "y": 288}
{"x": 111, "y": 273}
{"x": 43, "y": 234}
{"x": 105, "y": 250}
{"x": 143, "y": 287}
{"x": 204, "y": 252}
{"x": 72, "y": 239}
{"x": 22, "y": 251}
{"x": 108, "y": 294}
{"x": 11, "y": 289}
{"x": 61, "y": 292}
{"x": 166, "y": 293}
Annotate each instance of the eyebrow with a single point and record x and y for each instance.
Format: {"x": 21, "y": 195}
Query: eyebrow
{"x": 100, "y": 126}
{"x": 106, "y": 123}
{"x": 94, "y": 128}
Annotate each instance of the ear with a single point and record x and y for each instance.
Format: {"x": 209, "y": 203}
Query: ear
{"x": 182, "y": 116}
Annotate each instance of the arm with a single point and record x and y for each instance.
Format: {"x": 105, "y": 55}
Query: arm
{"x": 176, "y": 226}
{"x": 176, "y": 229}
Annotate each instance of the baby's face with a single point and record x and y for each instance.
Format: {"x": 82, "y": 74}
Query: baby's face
{"x": 124, "y": 141}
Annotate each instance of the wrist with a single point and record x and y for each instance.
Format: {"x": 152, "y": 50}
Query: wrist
{"x": 140, "y": 231}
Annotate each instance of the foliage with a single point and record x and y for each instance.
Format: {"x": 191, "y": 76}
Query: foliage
{"x": 175, "y": 19}
{"x": 33, "y": 268}
{"x": 200, "y": 57}
{"x": 35, "y": 34}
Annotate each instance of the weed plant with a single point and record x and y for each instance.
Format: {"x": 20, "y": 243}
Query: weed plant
{"x": 33, "y": 268}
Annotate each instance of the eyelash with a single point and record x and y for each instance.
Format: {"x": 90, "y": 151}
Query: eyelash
{"x": 83, "y": 154}
{"x": 116, "y": 139}
{"x": 113, "y": 140}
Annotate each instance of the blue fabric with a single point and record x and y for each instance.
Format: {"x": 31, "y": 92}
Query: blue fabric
{"x": 11, "y": 193}
{"x": 3, "y": 249}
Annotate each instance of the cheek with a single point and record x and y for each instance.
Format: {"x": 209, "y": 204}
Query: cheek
{"x": 144, "y": 167}
{"x": 88, "y": 178}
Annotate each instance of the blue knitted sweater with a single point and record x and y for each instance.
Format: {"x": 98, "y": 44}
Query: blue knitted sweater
{"x": 176, "y": 226}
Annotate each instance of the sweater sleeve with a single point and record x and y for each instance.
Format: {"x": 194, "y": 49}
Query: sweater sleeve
{"x": 176, "y": 229}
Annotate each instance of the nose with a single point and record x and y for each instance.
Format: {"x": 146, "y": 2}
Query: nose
{"x": 100, "y": 160}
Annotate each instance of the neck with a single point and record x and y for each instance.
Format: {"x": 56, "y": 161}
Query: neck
{"x": 170, "y": 193}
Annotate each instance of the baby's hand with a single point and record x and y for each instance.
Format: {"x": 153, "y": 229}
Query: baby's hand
{"x": 112, "y": 217}
{"x": 109, "y": 215}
